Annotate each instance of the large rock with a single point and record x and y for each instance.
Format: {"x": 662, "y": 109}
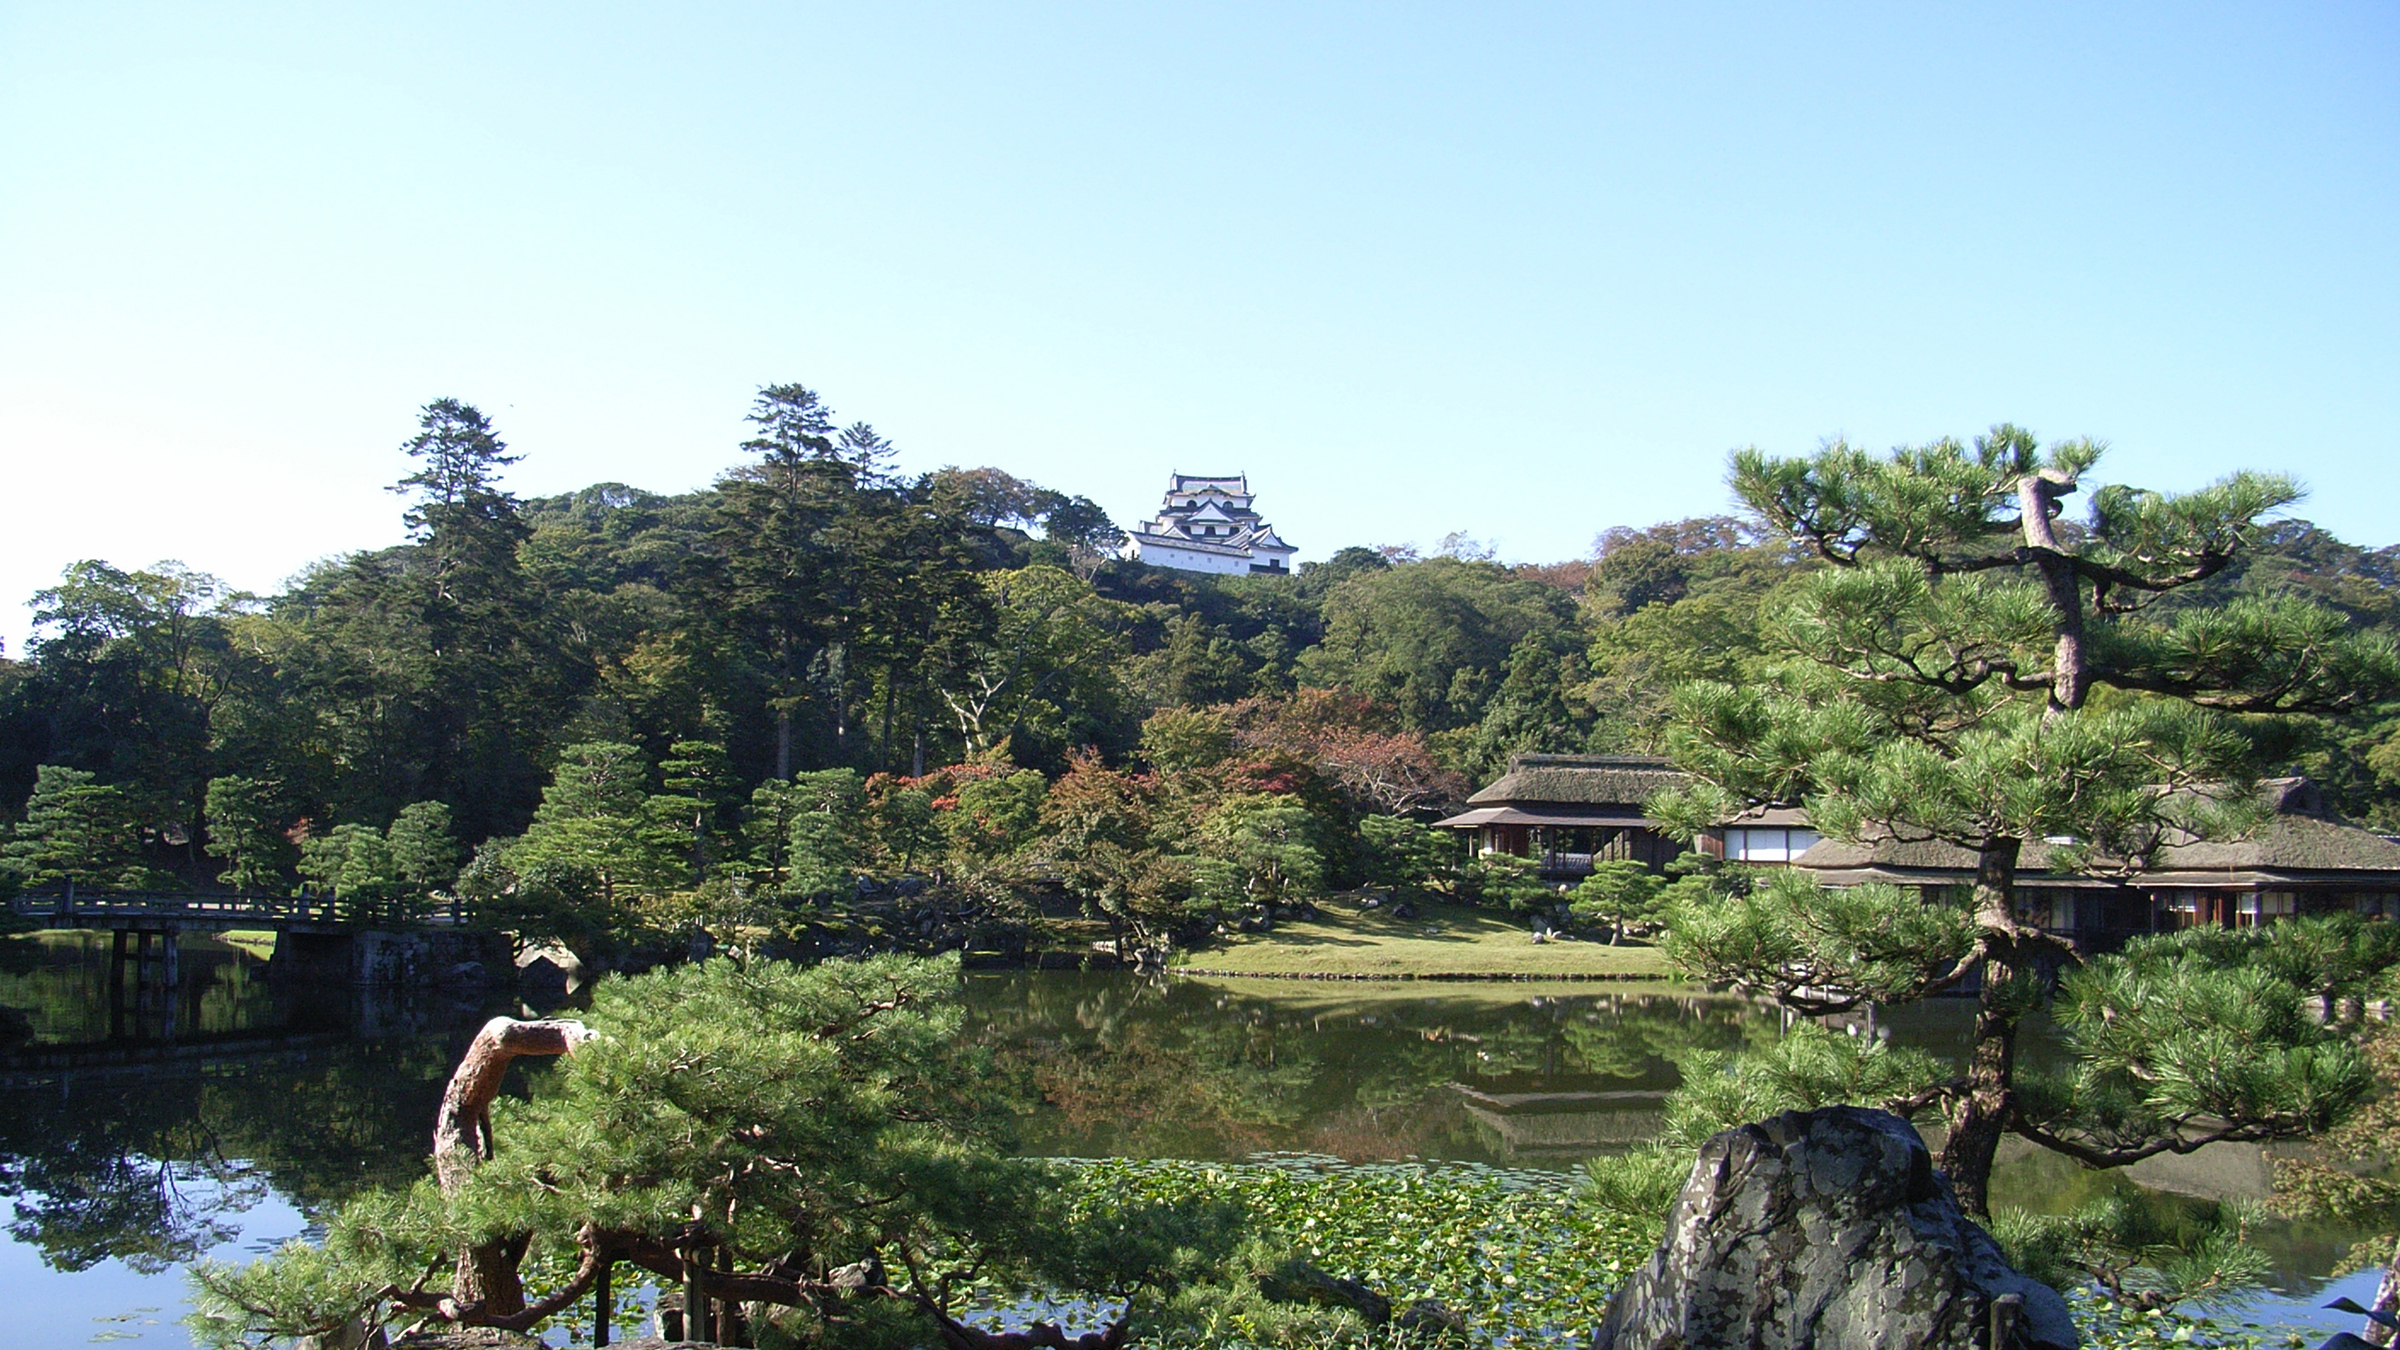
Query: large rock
{"x": 1826, "y": 1229}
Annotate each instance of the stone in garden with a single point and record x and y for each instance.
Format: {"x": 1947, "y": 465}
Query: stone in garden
{"x": 1827, "y": 1229}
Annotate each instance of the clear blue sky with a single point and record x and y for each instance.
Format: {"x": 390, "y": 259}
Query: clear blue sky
{"x": 1521, "y": 270}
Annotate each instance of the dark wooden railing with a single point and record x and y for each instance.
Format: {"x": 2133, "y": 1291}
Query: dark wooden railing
{"x": 127, "y": 908}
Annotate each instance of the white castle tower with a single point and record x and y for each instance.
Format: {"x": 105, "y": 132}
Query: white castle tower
{"x": 1206, "y": 524}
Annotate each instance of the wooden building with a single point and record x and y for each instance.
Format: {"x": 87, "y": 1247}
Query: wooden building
{"x": 2301, "y": 859}
{"x": 1567, "y": 812}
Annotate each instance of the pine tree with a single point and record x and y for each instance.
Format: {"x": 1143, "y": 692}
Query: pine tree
{"x": 77, "y": 831}
{"x": 1968, "y": 668}
{"x": 246, "y": 829}
{"x": 479, "y": 662}
{"x": 764, "y": 1136}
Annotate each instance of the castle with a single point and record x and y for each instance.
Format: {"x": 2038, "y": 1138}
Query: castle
{"x": 1207, "y": 525}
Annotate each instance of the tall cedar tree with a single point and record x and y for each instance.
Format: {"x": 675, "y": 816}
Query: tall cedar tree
{"x": 1935, "y": 689}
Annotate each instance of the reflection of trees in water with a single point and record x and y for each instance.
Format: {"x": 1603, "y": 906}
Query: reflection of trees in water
{"x": 1115, "y": 1064}
{"x": 1138, "y": 1067}
{"x": 54, "y": 988}
{"x": 152, "y": 1164}
{"x": 149, "y": 1167}
{"x": 1629, "y": 1037}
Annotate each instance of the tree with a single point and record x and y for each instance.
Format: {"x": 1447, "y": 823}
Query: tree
{"x": 1933, "y": 687}
{"x": 1048, "y": 655}
{"x": 1083, "y": 528}
{"x": 1356, "y": 744}
{"x": 128, "y": 670}
{"x": 700, "y": 791}
{"x": 827, "y": 833}
{"x": 352, "y": 863}
{"x": 469, "y": 646}
{"x": 1095, "y": 837}
{"x": 425, "y": 855}
{"x": 1258, "y": 849}
{"x": 457, "y": 483}
{"x": 994, "y": 816}
{"x": 1532, "y": 712}
{"x": 817, "y": 1140}
{"x": 1621, "y": 894}
{"x": 77, "y": 831}
{"x": 246, "y": 827}
{"x": 1407, "y": 855}
{"x": 1429, "y": 637}
{"x": 902, "y": 825}
{"x": 820, "y": 566}
{"x": 1638, "y": 568}
{"x": 594, "y": 817}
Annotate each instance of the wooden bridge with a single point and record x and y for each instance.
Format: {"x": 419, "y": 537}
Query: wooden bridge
{"x": 200, "y": 913}
{"x": 148, "y": 927}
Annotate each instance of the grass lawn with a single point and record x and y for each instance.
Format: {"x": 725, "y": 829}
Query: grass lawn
{"x": 259, "y": 942}
{"x": 1451, "y": 940}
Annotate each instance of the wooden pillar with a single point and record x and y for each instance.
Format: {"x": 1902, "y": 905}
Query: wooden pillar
{"x": 695, "y": 1303}
{"x": 116, "y": 983}
{"x": 729, "y": 1313}
{"x": 170, "y": 958}
{"x": 603, "y": 1304}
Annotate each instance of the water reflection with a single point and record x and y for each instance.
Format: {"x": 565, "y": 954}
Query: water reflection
{"x": 225, "y": 1116}
{"x": 1111, "y": 1065}
{"x": 135, "y": 1138}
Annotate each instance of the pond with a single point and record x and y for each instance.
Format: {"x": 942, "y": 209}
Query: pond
{"x": 218, "y": 1122}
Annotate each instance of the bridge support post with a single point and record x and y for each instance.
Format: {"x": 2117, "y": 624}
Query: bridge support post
{"x": 116, "y": 982}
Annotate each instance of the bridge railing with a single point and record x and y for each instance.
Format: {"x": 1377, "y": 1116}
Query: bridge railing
{"x": 234, "y": 911}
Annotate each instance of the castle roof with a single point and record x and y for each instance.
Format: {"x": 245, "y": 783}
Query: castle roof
{"x": 1236, "y": 485}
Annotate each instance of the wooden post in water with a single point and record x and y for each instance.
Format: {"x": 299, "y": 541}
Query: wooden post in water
{"x": 603, "y": 1303}
{"x": 116, "y": 982}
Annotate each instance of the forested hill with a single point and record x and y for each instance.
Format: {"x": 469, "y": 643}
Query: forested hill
{"x": 813, "y": 610}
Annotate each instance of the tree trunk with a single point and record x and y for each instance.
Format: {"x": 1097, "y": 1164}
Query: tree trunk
{"x": 462, "y": 1138}
{"x": 2037, "y": 499}
{"x": 1980, "y": 1115}
{"x": 783, "y": 745}
{"x": 891, "y": 706}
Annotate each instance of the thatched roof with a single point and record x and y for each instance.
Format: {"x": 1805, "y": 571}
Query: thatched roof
{"x": 1586, "y": 780}
{"x": 2300, "y": 840}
